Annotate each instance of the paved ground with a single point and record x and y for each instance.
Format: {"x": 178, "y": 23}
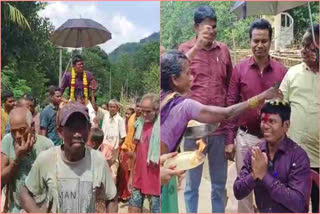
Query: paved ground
{"x": 204, "y": 205}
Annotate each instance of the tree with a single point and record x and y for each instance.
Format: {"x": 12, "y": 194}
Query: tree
{"x": 177, "y": 22}
{"x": 301, "y": 19}
{"x": 134, "y": 74}
{"x": 97, "y": 61}
{"x": 12, "y": 14}
{"x": 29, "y": 55}
{"x": 30, "y": 62}
{"x": 151, "y": 80}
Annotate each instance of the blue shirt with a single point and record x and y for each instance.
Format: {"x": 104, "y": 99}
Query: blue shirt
{"x": 48, "y": 122}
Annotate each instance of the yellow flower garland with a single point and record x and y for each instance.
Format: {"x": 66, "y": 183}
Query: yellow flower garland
{"x": 85, "y": 87}
{"x": 73, "y": 85}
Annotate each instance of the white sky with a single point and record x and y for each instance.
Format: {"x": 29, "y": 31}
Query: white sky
{"x": 127, "y": 21}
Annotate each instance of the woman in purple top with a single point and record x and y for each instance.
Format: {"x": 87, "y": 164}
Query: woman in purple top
{"x": 177, "y": 109}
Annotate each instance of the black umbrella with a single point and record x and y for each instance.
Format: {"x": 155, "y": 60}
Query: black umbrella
{"x": 79, "y": 33}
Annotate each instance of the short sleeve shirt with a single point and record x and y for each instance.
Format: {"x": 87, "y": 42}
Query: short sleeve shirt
{"x": 48, "y": 122}
{"x": 114, "y": 128}
{"x": 24, "y": 165}
{"x": 72, "y": 186}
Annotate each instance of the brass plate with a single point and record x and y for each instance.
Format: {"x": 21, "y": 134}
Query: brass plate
{"x": 186, "y": 160}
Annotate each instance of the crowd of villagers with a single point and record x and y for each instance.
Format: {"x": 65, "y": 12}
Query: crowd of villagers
{"x": 75, "y": 156}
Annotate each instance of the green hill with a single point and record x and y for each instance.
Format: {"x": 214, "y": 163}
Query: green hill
{"x": 132, "y": 47}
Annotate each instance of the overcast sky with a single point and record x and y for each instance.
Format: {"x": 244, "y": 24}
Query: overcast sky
{"x": 127, "y": 21}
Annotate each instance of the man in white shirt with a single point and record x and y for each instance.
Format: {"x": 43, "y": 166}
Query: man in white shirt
{"x": 300, "y": 87}
{"x": 113, "y": 127}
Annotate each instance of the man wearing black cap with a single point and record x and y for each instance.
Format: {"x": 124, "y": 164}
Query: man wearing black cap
{"x": 72, "y": 177}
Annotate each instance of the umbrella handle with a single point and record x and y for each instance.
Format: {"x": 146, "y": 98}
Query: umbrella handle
{"x": 64, "y": 73}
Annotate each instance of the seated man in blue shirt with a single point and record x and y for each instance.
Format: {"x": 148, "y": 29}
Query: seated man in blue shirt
{"x": 278, "y": 170}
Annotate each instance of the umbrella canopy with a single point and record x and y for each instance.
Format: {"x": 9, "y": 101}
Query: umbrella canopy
{"x": 252, "y": 8}
{"x": 78, "y": 33}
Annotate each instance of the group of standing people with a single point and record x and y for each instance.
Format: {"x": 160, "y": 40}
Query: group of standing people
{"x": 74, "y": 156}
{"x": 275, "y": 145}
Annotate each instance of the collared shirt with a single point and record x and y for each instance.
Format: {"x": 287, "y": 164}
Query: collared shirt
{"x": 300, "y": 88}
{"x": 247, "y": 82}
{"x": 48, "y": 122}
{"x": 114, "y": 128}
{"x": 24, "y": 166}
{"x": 285, "y": 187}
{"x": 211, "y": 71}
{"x": 79, "y": 80}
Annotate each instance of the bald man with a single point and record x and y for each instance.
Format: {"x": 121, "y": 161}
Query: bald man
{"x": 19, "y": 150}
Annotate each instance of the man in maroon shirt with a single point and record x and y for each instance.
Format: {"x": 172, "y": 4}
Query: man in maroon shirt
{"x": 78, "y": 66}
{"x": 249, "y": 78}
{"x": 211, "y": 67}
{"x": 144, "y": 180}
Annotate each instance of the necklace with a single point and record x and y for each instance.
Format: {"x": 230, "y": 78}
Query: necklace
{"x": 73, "y": 85}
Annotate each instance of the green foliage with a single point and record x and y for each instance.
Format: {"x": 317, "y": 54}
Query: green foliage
{"x": 29, "y": 54}
{"x": 151, "y": 79}
{"x": 177, "y": 23}
{"x": 132, "y": 47}
{"x": 152, "y": 38}
{"x": 12, "y": 14}
{"x": 128, "y": 48}
{"x": 131, "y": 72}
{"x": 30, "y": 62}
{"x": 302, "y": 20}
{"x": 96, "y": 61}
{"x": 10, "y": 82}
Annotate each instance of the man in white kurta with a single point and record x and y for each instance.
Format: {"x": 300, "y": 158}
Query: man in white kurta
{"x": 300, "y": 88}
{"x": 113, "y": 127}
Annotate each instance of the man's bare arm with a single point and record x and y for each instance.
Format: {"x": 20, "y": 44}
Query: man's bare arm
{"x": 29, "y": 204}
{"x": 214, "y": 114}
{"x": 8, "y": 169}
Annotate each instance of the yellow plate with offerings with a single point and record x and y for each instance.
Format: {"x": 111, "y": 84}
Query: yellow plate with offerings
{"x": 186, "y": 160}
